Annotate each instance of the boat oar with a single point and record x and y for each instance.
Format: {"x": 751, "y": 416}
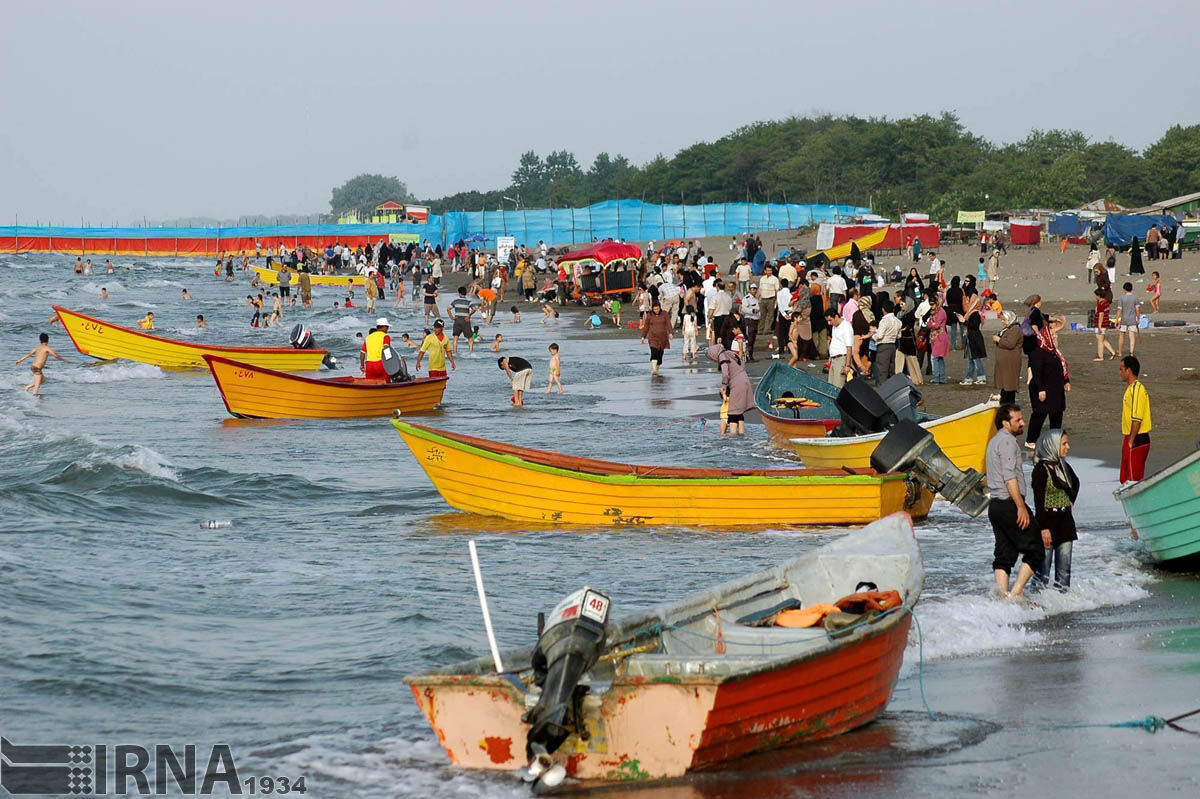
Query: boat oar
{"x": 487, "y": 617}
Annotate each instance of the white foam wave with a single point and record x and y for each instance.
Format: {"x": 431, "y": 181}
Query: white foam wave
{"x": 94, "y": 288}
{"x": 415, "y": 767}
{"x": 138, "y": 304}
{"x": 135, "y": 458}
{"x": 340, "y": 325}
{"x": 157, "y": 284}
{"x": 111, "y": 373}
{"x": 957, "y": 624}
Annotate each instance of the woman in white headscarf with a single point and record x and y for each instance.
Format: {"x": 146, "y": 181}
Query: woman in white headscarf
{"x": 1055, "y": 489}
{"x": 1008, "y": 358}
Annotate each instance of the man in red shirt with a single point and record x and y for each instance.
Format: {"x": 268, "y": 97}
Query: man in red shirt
{"x": 371, "y": 356}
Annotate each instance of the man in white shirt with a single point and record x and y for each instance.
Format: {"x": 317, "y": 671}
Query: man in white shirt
{"x": 841, "y": 339}
{"x": 709, "y": 291}
{"x": 783, "y": 315}
{"x": 885, "y": 337}
{"x": 788, "y": 272}
{"x": 722, "y": 305}
{"x": 668, "y": 298}
{"x": 836, "y": 285}
{"x": 768, "y": 287}
{"x": 682, "y": 252}
{"x": 750, "y": 311}
{"x": 935, "y": 265}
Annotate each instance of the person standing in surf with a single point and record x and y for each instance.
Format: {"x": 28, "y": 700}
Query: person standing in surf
{"x": 40, "y": 354}
{"x": 1007, "y": 511}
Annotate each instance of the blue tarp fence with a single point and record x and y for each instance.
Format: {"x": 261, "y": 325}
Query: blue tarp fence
{"x": 1119, "y": 229}
{"x": 1067, "y": 225}
{"x": 631, "y": 220}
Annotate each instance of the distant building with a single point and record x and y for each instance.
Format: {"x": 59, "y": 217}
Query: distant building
{"x": 1179, "y": 207}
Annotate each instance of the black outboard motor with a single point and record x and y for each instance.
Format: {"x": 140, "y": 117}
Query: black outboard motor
{"x": 394, "y": 365}
{"x": 901, "y": 395}
{"x": 569, "y": 645}
{"x": 908, "y": 447}
{"x": 863, "y": 410}
{"x": 302, "y": 339}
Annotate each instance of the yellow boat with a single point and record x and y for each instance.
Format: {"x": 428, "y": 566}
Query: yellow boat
{"x": 864, "y": 243}
{"x": 270, "y": 277}
{"x": 963, "y": 436}
{"x": 106, "y": 341}
{"x": 525, "y": 485}
{"x": 258, "y": 393}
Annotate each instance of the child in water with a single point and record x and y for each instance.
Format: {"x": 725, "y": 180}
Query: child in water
{"x": 200, "y": 320}
{"x": 547, "y": 312}
{"x": 40, "y": 355}
{"x": 613, "y": 308}
{"x": 593, "y": 322}
{"x": 691, "y": 329}
{"x": 555, "y": 370}
{"x": 496, "y": 342}
{"x": 147, "y": 321}
{"x": 516, "y": 314}
{"x": 474, "y": 337}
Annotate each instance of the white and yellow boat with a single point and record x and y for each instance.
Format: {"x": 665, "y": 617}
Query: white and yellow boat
{"x": 269, "y": 277}
{"x": 107, "y": 341}
{"x": 963, "y": 436}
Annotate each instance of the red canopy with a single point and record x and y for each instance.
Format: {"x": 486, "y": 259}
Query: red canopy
{"x": 603, "y": 253}
{"x": 389, "y": 206}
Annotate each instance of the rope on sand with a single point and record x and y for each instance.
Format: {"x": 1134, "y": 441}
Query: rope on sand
{"x": 1150, "y": 724}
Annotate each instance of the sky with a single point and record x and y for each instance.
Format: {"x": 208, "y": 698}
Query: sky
{"x": 118, "y": 111}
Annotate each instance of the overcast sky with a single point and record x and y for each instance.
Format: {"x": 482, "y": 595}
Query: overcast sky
{"x": 117, "y": 110}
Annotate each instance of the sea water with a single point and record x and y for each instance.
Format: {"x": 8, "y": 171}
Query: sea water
{"x": 287, "y": 635}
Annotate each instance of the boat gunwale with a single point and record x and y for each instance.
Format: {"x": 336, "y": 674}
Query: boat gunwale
{"x": 513, "y": 457}
{"x": 58, "y": 309}
{"x": 317, "y": 381}
{"x": 1125, "y": 492}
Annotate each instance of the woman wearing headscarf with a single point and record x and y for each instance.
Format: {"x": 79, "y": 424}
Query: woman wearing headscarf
{"x": 1049, "y": 386}
{"x": 1104, "y": 298}
{"x": 735, "y": 386}
{"x": 800, "y": 335}
{"x": 906, "y": 346}
{"x": 1055, "y": 489}
{"x": 1135, "y": 258}
{"x": 939, "y": 341}
{"x": 913, "y": 286}
{"x": 863, "y": 323}
{"x": 954, "y": 311}
{"x": 1008, "y": 358}
{"x": 976, "y": 348}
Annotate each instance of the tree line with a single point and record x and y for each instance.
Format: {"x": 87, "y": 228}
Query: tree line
{"x": 923, "y": 163}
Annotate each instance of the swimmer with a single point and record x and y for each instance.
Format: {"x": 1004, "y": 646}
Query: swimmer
{"x": 147, "y": 321}
{"x": 547, "y": 312}
{"x": 407, "y": 341}
{"x": 103, "y": 293}
{"x": 496, "y": 342}
{"x": 555, "y": 370}
{"x": 40, "y": 354}
{"x": 78, "y": 265}
{"x": 200, "y": 320}
{"x": 516, "y": 315}
{"x": 185, "y": 295}
{"x": 349, "y": 302}
{"x": 108, "y": 267}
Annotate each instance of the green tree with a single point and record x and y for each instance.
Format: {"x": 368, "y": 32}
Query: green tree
{"x": 1173, "y": 162}
{"x": 363, "y": 192}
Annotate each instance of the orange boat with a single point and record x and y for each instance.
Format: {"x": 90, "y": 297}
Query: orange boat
{"x": 705, "y": 679}
{"x": 257, "y": 393}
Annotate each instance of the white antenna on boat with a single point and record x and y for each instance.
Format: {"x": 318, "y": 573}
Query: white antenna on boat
{"x": 487, "y": 617}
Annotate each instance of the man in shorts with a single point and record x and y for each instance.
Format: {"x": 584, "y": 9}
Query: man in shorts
{"x": 1007, "y": 511}
{"x": 430, "y": 292}
{"x": 437, "y": 344}
{"x": 520, "y": 373}
{"x": 1127, "y": 306}
{"x": 461, "y": 309}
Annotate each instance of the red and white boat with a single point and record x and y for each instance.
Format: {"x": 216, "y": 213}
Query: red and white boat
{"x": 696, "y": 682}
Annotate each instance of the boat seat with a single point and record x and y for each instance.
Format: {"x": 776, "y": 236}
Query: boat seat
{"x": 759, "y": 616}
{"x": 660, "y": 665}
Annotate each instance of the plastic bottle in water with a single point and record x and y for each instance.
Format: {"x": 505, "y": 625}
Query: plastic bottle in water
{"x": 213, "y": 524}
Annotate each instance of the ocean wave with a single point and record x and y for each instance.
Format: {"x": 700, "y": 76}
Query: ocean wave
{"x": 110, "y": 373}
{"x": 111, "y": 285}
{"x": 158, "y": 283}
{"x": 132, "y": 458}
{"x": 137, "y": 304}
{"x": 958, "y": 624}
{"x": 340, "y": 325}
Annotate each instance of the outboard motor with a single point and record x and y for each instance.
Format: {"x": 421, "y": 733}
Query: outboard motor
{"x": 569, "y": 645}
{"x": 394, "y": 365}
{"x": 908, "y": 447}
{"x": 302, "y": 339}
{"x": 863, "y": 410}
{"x": 901, "y": 395}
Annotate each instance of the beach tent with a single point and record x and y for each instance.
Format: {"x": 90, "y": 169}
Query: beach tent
{"x": 1119, "y": 229}
{"x": 1025, "y": 231}
{"x": 1067, "y": 225}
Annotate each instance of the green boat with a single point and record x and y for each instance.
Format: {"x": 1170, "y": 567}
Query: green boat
{"x": 1165, "y": 509}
